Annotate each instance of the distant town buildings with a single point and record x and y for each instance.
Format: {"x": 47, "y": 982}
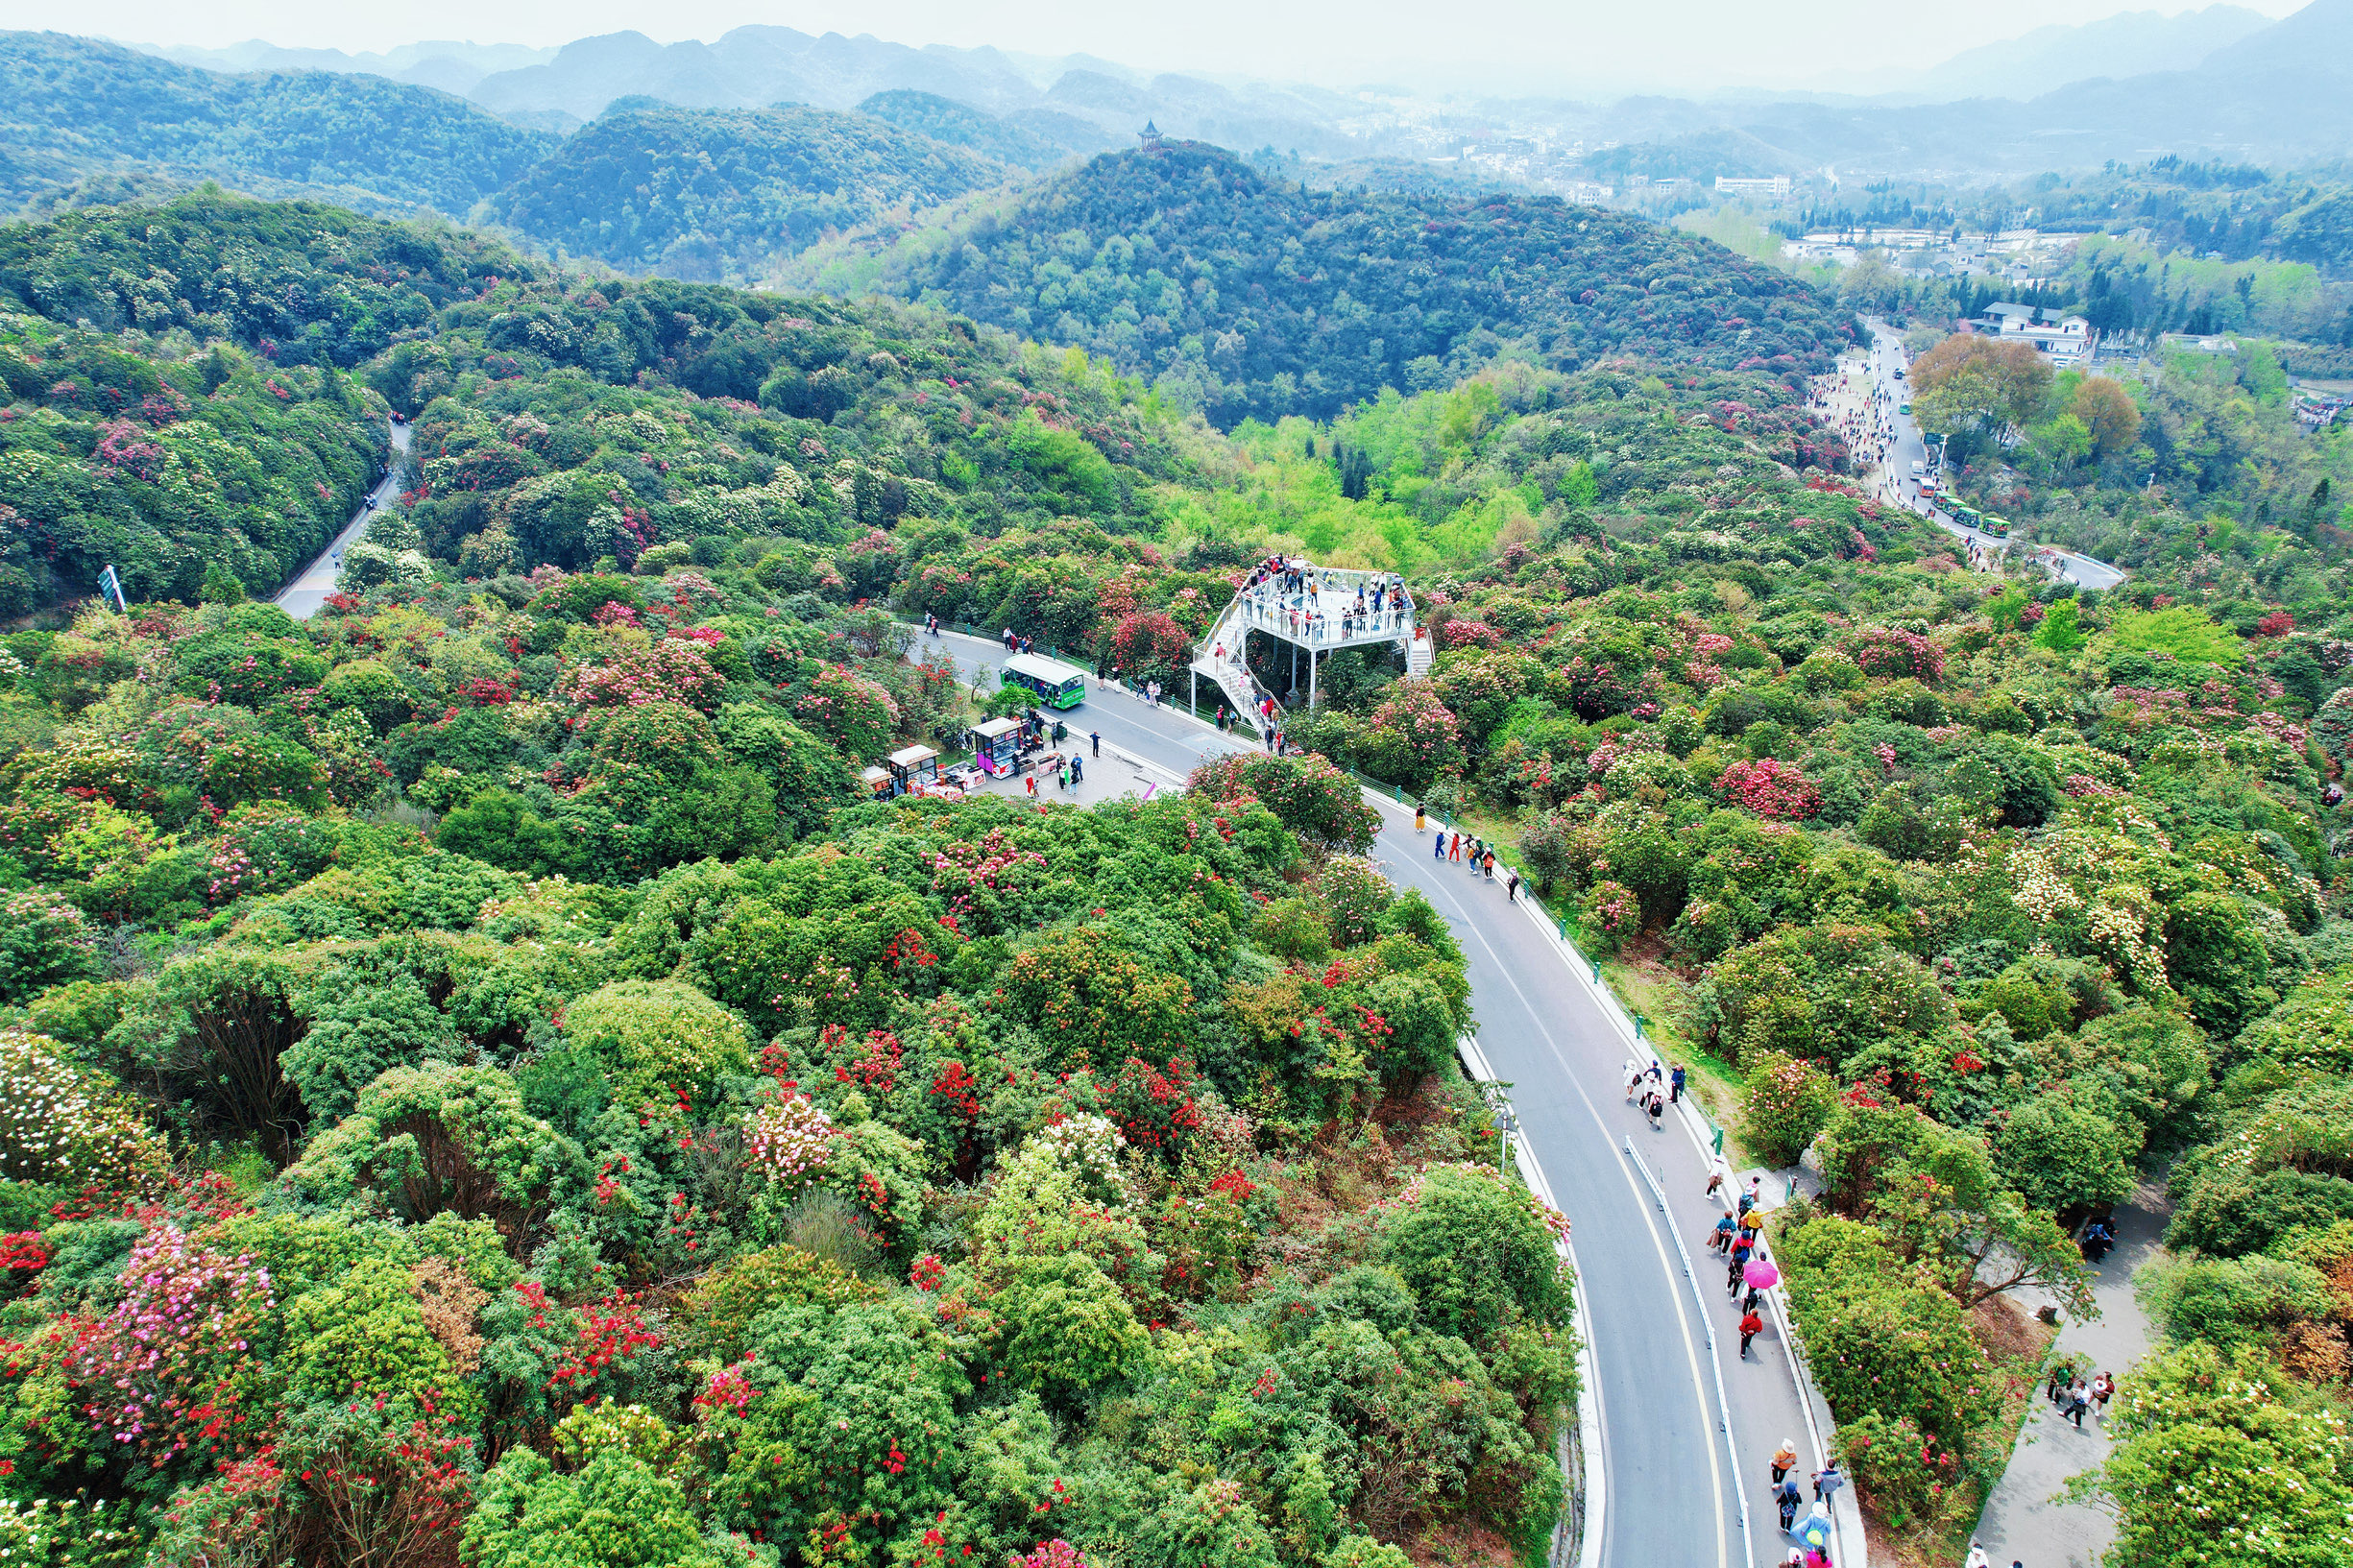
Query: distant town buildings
{"x": 2318, "y": 410}
{"x": 1775, "y": 189}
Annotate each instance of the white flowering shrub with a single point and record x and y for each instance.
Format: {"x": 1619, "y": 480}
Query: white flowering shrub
{"x": 790, "y": 1141}
{"x": 48, "y": 1533}
{"x": 61, "y": 1122}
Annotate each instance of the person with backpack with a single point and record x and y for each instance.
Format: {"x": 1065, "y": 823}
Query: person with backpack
{"x": 1655, "y": 1106}
{"x": 1751, "y": 1326}
{"x": 1675, "y": 1083}
{"x": 1723, "y": 1236}
{"x": 1826, "y": 1482}
{"x": 1511, "y": 888}
{"x": 1787, "y": 1500}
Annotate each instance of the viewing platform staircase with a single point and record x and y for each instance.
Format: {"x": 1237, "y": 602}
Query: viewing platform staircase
{"x": 1311, "y": 625}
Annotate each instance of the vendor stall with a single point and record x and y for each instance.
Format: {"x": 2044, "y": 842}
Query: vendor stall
{"x": 911, "y": 768}
{"x": 996, "y": 744}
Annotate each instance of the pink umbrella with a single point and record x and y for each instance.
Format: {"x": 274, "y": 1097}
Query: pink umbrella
{"x": 1762, "y": 1275}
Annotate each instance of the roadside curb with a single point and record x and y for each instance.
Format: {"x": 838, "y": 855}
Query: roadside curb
{"x": 1596, "y": 1493}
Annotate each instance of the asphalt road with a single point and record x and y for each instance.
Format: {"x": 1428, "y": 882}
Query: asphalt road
{"x": 1887, "y": 357}
{"x": 302, "y": 597}
{"x": 1670, "y": 1498}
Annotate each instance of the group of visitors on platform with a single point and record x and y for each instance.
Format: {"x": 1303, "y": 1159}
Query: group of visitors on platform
{"x": 1295, "y": 593}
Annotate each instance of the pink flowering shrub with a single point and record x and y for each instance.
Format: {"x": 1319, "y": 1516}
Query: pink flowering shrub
{"x": 1055, "y": 1553}
{"x": 122, "y": 445}
{"x": 1771, "y": 788}
{"x": 1883, "y": 650}
{"x": 1613, "y": 914}
{"x": 1413, "y": 737}
{"x": 173, "y": 1368}
{"x": 672, "y": 670}
{"x": 1469, "y": 633}
{"x": 852, "y": 712}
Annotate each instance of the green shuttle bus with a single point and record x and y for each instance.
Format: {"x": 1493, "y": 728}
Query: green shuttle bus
{"x": 1058, "y": 685}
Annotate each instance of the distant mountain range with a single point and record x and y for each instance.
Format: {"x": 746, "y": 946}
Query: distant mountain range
{"x": 753, "y": 67}
{"x": 2281, "y": 95}
{"x": 75, "y": 108}
{"x": 2132, "y": 43}
{"x": 451, "y": 126}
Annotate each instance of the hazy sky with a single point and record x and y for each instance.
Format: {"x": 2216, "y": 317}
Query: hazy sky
{"x": 1513, "y": 43}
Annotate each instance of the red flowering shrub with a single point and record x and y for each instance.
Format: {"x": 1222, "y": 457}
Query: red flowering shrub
{"x": 1149, "y": 645}
{"x": 1770, "y": 788}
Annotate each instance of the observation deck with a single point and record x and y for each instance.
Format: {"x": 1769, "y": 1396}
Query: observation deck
{"x": 1300, "y": 614}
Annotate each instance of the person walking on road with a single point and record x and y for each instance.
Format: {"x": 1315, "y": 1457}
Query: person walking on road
{"x": 1722, "y": 1242}
{"x": 1787, "y": 1499}
{"x": 1751, "y": 1326}
{"x": 1422, "y": 818}
{"x": 1438, "y": 850}
{"x": 1675, "y": 1083}
{"x": 1511, "y": 888}
{"x": 1454, "y": 847}
{"x": 1784, "y": 1460}
{"x": 1826, "y": 1482}
{"x": 1654, "y": 1105}
{"x": 2103, "y": 1389}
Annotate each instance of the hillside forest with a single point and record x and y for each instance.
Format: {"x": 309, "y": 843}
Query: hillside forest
{"x": 487, "y": 1090}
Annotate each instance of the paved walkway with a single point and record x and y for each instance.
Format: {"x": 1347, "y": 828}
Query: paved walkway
{"x": 2024, "y": 1521}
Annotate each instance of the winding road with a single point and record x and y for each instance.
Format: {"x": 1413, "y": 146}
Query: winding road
{"x": 1886, "y": 361}
{"x": 302, "y": 597}
{"x": 1669, "y": 1498}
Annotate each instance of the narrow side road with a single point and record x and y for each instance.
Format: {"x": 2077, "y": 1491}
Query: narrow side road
{"x": 1907, "y": 447}
{"x": 304, "y": 597}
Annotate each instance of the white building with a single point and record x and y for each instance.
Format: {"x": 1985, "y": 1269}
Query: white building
{"x": 1775, "y": 189}
{"x": 2062, "y": 339}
